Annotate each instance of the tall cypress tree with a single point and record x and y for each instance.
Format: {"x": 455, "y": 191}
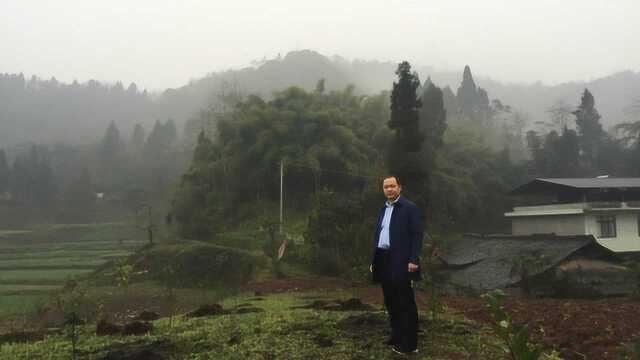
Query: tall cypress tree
{"x": 111, "y": 144}
{"x": 405, "y": 106}
{"x": 433, "y": 124}
{"x": 466, "y": 94}
{"x": 404, "y": 154}
{"x": 136, "y": 143}
{"x": 589, "y": 128}
{"x": 433, "y": 116}
{"x": 473, "y": 100}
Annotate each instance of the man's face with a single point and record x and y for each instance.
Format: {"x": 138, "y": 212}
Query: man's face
{"x": 391, "y": 188}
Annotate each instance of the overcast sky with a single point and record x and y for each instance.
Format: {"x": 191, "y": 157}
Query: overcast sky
{"x": 160, "y": 44}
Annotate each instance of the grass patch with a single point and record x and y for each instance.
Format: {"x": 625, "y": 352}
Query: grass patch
{"x": 8, "y": 233}
{"x": 91, "y": 226}
{"x": 64, "y": 254}
{"x": 279, "y": 332}
{"x": 38, "y": 276}
{"x": 26, "y": 289}
{"x": 55, "y": 262}
{"x": 20, "y": 304}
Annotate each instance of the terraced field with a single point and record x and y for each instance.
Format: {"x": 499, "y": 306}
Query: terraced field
{"x": 35, "y": 262}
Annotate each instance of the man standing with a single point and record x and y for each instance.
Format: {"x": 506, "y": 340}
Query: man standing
{"x": 395, "y": 264}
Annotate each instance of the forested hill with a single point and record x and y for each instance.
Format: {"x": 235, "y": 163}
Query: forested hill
{"x": 48, "y": 111}
{"x": 304, "y": 68}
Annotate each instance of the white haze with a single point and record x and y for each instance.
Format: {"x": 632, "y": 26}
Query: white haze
{"x": 160, "y": 44}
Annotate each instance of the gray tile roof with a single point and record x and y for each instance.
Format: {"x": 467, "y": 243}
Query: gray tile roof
{"x": 483, "y": 263}
{"x": 596, "y": 183}
{"x": 541, "y": 184}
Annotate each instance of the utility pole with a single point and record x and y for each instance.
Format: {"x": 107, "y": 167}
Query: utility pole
{"x": 281, "y": 188}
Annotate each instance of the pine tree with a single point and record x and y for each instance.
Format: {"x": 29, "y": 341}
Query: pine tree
{"x": 433, "y": 124}
{"x": 404, "y": 157}
{"x": 405, "y": 106}
{"x": 466, "y": 94}
{"x": 203, "y": 149}
{"x": 111, "y": 145}
{"x": 136, "y": 143}
{"x": 433, "y": 115}
{"x": 569, "y": 154}
{"x": 473, "y": 100}
{"x": 589, "y": 128}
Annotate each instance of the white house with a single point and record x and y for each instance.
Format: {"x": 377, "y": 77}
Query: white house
{"x": 607, "y": 208}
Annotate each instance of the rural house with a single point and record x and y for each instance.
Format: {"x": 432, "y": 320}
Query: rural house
{"x": 607, "y": 208}
{"x": 563, "y": 266}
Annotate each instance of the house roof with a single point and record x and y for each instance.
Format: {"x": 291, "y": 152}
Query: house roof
{"x": 485, "y": 262}
{"x": 550, "y": 184}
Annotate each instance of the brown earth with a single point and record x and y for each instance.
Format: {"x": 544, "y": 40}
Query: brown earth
{"x": 578, "y": 329}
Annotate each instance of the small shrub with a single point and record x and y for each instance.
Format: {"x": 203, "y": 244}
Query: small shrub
{"x": 516, "y": 337}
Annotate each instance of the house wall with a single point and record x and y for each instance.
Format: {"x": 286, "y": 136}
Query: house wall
{"x": 559, "y": 224}
{"x": 627, "y": 238}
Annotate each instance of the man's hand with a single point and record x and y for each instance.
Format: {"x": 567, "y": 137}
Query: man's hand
{"x": 371, "y": 268}
{"x": 412, "y": 267}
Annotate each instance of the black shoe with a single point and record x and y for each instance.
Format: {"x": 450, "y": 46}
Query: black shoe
{"x": 399, "y": 350}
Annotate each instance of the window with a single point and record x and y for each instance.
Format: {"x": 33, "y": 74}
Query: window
{"x": 607, "y": 226}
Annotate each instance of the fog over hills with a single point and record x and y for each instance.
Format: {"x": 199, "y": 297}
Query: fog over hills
{"x": 49, "y": 112}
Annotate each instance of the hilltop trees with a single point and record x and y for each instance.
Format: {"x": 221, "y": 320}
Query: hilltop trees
{"x": 433, "y": 123}
{"x": 589, "y": 128}
{"x": 136, "y": 142}
{"x": 323, "y": 138}
{"x": 110, "y": 158}
{"x": 196, "y": 203}
{"x": 473, "y": 101}
{"x": 160, "y": 155}
{"x": 32, "y": 182}
{"x": 588, "y": 152}
{"x": 52, "y": 111}
{"x": 404, "y": 157}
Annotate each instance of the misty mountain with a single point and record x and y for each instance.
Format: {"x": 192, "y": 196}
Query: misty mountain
{"x": 47, "y": 111}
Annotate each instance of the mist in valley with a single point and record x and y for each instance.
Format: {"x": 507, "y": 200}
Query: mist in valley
{"x": 209, "y": 174}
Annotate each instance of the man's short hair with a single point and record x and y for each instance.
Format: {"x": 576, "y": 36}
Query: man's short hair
{"x": 393, "y": 176}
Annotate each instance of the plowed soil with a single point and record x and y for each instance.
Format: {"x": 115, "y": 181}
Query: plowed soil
{"x": 578, "y": 329}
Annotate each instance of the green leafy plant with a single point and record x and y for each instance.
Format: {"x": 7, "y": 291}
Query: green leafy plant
{"x": 71, "y": 302}
{"x": 516, "y": 338}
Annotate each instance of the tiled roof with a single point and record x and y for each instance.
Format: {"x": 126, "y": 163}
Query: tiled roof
{"x": 542, "y": 184}
{"x": 484, "y": 263}
{"x": 596, "y": 183}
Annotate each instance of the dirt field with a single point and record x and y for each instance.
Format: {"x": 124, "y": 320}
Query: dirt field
{"x": 578, "y": 329}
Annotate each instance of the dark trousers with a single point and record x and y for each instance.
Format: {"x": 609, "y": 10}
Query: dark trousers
{"x": 399, "y": 300}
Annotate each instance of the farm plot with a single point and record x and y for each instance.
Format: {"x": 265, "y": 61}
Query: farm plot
{"x": 35, "y": 262}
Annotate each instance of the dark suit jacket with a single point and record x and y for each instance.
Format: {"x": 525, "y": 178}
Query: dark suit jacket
{"x": 405, "y": 236}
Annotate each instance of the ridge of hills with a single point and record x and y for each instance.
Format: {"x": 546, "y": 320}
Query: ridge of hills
{"x": 51, "y": 112}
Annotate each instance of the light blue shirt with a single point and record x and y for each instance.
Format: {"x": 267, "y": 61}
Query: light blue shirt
{"x": 384, "y": 241}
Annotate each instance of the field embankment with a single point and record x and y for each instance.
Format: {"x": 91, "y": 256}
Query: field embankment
{"x": 34, "y": 262}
